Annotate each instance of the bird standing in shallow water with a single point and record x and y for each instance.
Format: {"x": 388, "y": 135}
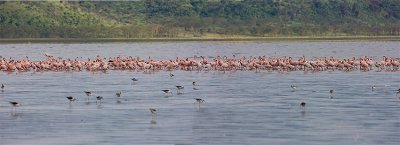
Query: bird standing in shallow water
{"x": 71, "y": 99}
{"x": 331, "y": 92}
{"x": 99, "y": 98}
{"x": 118, "y": 94}
{"x": 171, "y": 75}
{"x": 167, "y": 92}
{"x": 15, "y": 104}
{"x": 134, "y": 79}
{"x": 88, "y": 93}
{"x": 153, "y": 112}
{"x": 303, "y": 105}
{"x": 194, "y": 84}
{"x": 199, "y": 101}
{"x": 398, "y": 92}
{"x": 2, "y": 86}
{"x": 179, "y": 88}
{"x": 293, "y": 87}
{"x": 373, "y": 88}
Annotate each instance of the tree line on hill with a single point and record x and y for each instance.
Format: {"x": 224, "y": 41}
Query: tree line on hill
{"x": 196, "y": 18}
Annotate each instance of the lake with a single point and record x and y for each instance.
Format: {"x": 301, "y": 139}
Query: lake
{"x": 241, "y": 107}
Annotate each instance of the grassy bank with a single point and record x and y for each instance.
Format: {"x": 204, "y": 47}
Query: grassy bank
{"x": 231, "y": 38}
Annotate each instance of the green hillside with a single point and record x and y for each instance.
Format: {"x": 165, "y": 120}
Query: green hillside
{"x": 198, "y": 18}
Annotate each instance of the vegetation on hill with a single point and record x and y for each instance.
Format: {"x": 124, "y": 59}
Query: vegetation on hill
{"x": 196, "y": 18}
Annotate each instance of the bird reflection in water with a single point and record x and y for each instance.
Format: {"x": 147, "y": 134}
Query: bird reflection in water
{"x": 15, "y": 115}
{"x": 119, "y": 101}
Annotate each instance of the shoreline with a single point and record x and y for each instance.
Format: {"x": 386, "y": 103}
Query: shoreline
{"x": 239, "y": 38}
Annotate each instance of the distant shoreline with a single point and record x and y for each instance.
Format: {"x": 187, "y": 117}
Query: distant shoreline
{"x": 244, "y": 38}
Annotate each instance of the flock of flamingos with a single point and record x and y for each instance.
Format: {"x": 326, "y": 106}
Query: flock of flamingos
{"x": 224, "y": 63}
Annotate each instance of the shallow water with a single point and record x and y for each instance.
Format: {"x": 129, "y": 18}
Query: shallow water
{"x": 242, "y": 107}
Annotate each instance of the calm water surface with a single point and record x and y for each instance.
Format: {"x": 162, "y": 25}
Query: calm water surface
{"x": 242, "y": 107}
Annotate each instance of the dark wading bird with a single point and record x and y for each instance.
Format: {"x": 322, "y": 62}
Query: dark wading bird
{"x": 167, "y": 92}
{"x": 194, "y": 84}
{"x": 153, "y": 112}
{"x": 303, "y": 105}
{"x": 118, "y": 94}
{"x": 398, "y": 92}
{"x": 179, "y": 88}
{"x": 331, "y": 92}
{"x": 134, "y": 79}
{"x": 99, "y": 98}
{"x": 88, "y": 93}
{"x": 71, "y": 99}
{"x": 293, "y": 87}
{"x": 199, "y": 101}
{"x": 2, "y": 86}
{"x": 15, "y": 104}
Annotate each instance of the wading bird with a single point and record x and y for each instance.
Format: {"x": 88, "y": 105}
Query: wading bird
{"x": 118, "y": 94}
{"x": 303, "y": 105}
{"x": 71, "y": 99}
{"x": 99, "y": 98}
{"x": 293, "y": 87}
{"x": 15, "y": 104}
{"x": 167, "y": 92}
{"x": 88, "y": 93}
{"x": 194, "y": 84}
{"x": 198, "y": 100}
{"x": 179, "y": 88}
{"x": 153, "y": 112}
